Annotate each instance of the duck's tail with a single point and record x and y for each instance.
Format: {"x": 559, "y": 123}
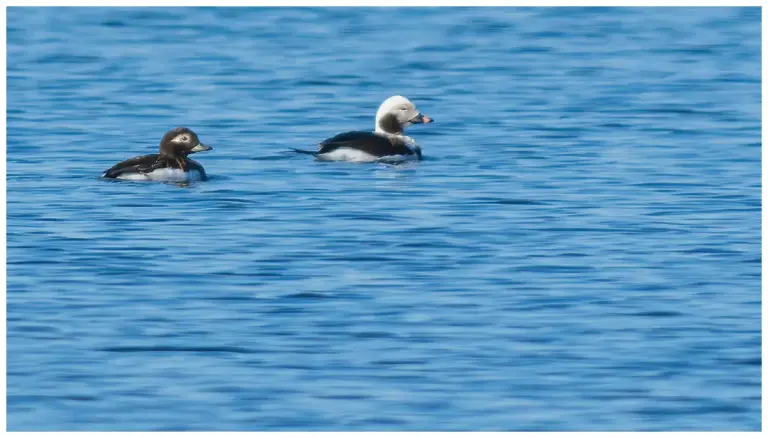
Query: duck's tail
{"x": 303, "y": 151}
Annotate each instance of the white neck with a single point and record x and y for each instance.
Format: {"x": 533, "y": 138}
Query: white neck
{"x": 389, "y": 134}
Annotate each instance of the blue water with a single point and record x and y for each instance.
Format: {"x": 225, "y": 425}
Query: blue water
{"x": 579, "y": 250}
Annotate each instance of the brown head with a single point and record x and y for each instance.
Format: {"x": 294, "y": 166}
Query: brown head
{"x": 180, "y": 142}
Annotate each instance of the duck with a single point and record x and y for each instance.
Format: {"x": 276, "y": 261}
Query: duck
{"x": 170, "y": 164}
{"x": 387, "y": 143}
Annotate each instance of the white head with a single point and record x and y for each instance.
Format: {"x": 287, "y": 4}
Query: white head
{"x": 396, "y": 114}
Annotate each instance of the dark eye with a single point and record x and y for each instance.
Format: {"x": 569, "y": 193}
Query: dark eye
{"x": 185, "y": 138}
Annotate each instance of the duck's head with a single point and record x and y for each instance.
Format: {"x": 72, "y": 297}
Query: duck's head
{"x": 397, "y": 113}
{"x": 180, "y": 142}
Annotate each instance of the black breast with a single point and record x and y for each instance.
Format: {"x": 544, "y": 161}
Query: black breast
{"x": 369, "y": 142}
{"x": 194, "y": 165}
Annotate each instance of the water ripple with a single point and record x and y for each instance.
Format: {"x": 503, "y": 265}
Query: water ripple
{"x": 578, "y": 250}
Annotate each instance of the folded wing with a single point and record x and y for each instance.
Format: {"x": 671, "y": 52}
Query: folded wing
{"x": 368, "y": 142}
{"x": 142, "y": 164}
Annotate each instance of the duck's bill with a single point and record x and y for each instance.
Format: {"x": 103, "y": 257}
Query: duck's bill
{"x": 421, "y": 118}
{"x": 201, "y": 147}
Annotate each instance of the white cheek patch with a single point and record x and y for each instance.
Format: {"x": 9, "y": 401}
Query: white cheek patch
{"x": 167, "y": 174}
{"x": 179, "y": 138}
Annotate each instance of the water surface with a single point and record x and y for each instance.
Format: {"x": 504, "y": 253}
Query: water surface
{"x": 580, "y": 249}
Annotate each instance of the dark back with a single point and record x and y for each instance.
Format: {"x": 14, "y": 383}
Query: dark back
{"x": 369, "y": 142}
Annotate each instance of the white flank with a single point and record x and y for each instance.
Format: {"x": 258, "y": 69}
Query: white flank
{"x": 348, "y": 154}
{"x": 167, "y": 174}
{"x": 357, "y": 156}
